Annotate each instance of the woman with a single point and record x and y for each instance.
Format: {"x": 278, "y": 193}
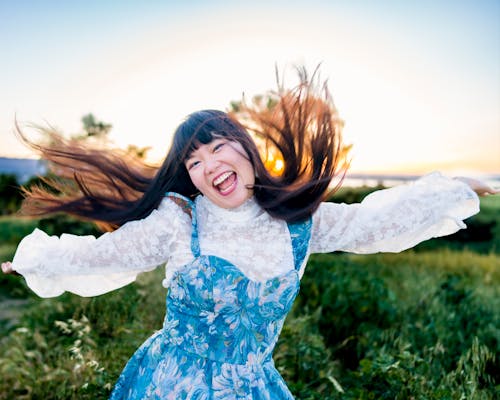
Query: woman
{"x": 235, "y": 238}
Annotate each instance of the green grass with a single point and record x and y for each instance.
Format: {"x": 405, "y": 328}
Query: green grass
{"x": 395, "y": 326}
{"x": 13, "y": 229}
{"x": 74, "y": 348}
{"x": 380, "y": 326}
{"x": 421, "y": 324}
{"x": 7, "y": 251}
{"x": 492, "y": 202}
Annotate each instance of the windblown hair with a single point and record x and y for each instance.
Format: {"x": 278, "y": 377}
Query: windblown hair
{"x": 300, "y": 126}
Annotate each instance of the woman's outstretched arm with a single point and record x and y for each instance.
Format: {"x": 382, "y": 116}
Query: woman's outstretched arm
{"x": 398, "y": 218}
{"x": 90, "y": 266}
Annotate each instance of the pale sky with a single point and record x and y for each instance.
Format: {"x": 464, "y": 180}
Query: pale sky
{"x": 417, "y": 83}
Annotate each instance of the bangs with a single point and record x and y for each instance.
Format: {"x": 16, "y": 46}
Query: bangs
{"x": 194, "y": 142}
{"x": 201, "y": 128}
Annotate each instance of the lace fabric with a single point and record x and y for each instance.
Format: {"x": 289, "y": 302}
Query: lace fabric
{"x": 395, "y": 219}
{"x": 388, "y": 220}
{"x": 90, "y": 266}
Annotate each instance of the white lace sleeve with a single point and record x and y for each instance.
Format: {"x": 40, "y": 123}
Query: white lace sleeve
{"x": 90, "y": 266}
{"x": 394, "y": 219}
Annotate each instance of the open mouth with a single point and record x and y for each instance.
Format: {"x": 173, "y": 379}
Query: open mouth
{"x": 225, "y": 183}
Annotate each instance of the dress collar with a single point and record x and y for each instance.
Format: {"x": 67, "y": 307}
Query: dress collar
{"x": 248, "y": 210}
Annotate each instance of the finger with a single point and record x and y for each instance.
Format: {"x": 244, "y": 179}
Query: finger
{"x": 490, "y": 191}
{"x": 7, "y": 267}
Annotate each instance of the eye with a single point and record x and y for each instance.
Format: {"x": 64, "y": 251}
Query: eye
{"x": 218, "y": 146}
{"x": 192, "y": 164}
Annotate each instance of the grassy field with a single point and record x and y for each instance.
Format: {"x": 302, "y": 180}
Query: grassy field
{"x": 422, "y": 324}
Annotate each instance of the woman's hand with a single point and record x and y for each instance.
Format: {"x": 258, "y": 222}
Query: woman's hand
{"x": 7, "y": 268}
{"x": 478, "y": 186}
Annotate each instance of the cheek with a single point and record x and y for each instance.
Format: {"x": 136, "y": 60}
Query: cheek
{"x": 249, "y": 173}
{"x": 196, "y": 179}
{"x": 241, "y": 157}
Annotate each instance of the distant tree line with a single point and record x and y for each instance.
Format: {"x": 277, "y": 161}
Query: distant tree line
{"x": 92, "y": 129}
{"x": 10, "y": 195}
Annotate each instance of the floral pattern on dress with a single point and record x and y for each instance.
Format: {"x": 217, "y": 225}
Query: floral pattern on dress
{"x": 219, "y": 332}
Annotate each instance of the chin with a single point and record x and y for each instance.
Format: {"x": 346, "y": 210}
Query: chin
{"x": 234, "y": 202}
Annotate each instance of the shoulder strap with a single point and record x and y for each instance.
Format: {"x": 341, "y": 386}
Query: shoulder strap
{"x": 183, "y": 202}
{"x": 187, "y": 206}
{"x": 300, "y": 233}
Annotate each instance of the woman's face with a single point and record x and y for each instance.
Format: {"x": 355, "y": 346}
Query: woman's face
{"x": 222, "y": 172}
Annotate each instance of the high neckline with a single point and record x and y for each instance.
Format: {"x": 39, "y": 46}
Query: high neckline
{"x": 248, "y": 210}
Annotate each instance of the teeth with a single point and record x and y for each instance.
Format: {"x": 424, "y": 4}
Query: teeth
{"x": 222, "y": 178}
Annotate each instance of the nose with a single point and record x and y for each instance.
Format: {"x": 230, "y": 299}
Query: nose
{"x": 211, "y": 165}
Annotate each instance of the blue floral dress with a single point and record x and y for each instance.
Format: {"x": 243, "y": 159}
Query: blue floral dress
{"x": 219, "y": 332}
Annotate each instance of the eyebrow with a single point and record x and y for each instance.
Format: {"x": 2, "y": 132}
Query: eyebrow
{"x": 189, "y": 154}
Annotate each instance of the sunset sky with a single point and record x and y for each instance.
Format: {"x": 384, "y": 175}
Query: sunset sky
{"x": 417, "y": 82}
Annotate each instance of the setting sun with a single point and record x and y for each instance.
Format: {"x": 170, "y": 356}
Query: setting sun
{"x": 274, "y": 163}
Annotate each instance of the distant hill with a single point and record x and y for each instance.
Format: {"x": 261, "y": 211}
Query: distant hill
{"x": 23, "y": 168}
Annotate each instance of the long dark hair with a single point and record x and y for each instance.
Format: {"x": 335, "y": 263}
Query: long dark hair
{"x": 300, "y": 126}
